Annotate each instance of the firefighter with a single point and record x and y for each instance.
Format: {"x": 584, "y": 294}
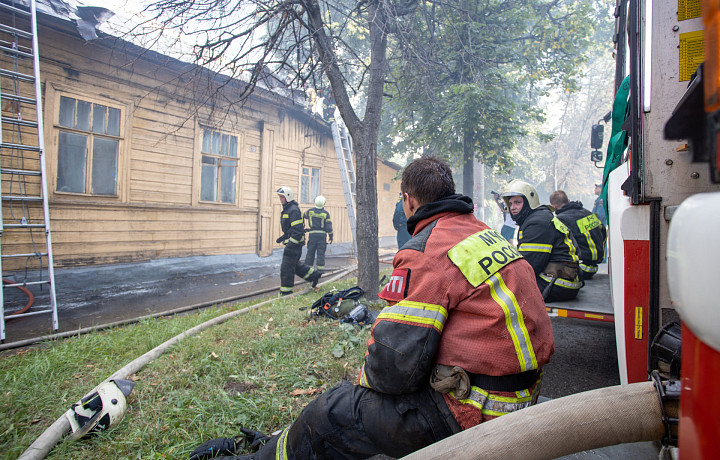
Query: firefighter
{"x": 545, "y": 242}
{"x": 462, "y": 341}
{"x": 320, "y": 230}
{"x": 293, "y": 238}
{"x": 589, "y": 232}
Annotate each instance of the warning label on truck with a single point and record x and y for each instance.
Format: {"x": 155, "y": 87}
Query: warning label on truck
{"x": 692, "y": 53}
{"x": 689, "y": 9}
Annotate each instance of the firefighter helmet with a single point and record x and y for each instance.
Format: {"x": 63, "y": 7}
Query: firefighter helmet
{"x": 319, "y": 201}
{"x": 518, "y": 187}
{"x": 287, "y": 192}
{"x": 101, "y": 409}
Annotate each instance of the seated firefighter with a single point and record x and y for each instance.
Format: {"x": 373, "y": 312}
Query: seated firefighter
{"x": 545, "y": 242}
{"x": 589, "y": 232}
{"x": 462, "y": 341}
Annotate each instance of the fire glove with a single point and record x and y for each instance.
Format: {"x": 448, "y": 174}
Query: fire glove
{"x": 215, "y": 448}
{"x": 281, "y": 239}
{"x": 330, "y": 238}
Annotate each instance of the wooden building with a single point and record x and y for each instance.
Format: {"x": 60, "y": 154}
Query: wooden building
{"x": 152, "y": 158}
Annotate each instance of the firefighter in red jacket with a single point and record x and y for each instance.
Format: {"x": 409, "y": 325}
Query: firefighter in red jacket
{"x": 463, "y": 340}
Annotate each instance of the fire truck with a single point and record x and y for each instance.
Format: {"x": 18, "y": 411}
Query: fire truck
{"x": 661, "y": 182}
{"x": 661, "y": 190}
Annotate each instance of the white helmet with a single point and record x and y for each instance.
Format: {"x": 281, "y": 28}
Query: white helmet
{"x": 287, "y": 192}
{"x": 319, "y": 201}
{"x": 101, "y": 409}
{"x": 518, "y": 187}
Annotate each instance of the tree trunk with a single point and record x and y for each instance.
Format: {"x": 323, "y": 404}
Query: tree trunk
{"x": 468, "y": 157}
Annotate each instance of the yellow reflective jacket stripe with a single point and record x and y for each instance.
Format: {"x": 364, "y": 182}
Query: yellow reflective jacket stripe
{"x": 535, "y": 247}
{"x": 514, "y": 321}
{"x": 416, "y": 312}
{"x": 562, "y": 228}
{"x": 585, "y": 225}
{"x": 297, "y": 222}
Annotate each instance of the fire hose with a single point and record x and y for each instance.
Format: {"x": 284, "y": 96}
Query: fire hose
{"x": 575, "y": 423}
{"x": 53, "y": 434}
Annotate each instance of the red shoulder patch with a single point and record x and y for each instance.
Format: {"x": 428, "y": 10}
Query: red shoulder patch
{"x": 396, "y": 289}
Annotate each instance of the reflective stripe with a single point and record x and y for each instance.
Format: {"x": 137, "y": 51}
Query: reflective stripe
{"x": 281, "y": 446}
{"x": 586, "y": 224}
{"x": 514, "y": 322}
{"x": 286, "y": 216}
{"x": 286, "y": 289}
{"x": 482, "y": 254}
{"x": 293, "y": 240}
{"x": 568, "y": 240}
{"x": 416, "y": 312}
{"x": 363, "y": 378}
{"x": 310, "y": 272}
{"x": 535, "y": 247}
{"x": 588, "y": 268}
{"x": 297, "y": 222}
{"x": 317, "y": 231}
{"x": 495, "y": 405}
{"x": 574, "y": 284}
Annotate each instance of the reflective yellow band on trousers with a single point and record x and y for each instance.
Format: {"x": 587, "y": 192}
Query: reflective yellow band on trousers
{"x": 495, "y": 405}
{"x": 482, "y": 254}
{"x": 281, "y": 446}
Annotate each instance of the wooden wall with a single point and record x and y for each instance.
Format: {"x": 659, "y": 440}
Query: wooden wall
{"x": 157, "y": 212}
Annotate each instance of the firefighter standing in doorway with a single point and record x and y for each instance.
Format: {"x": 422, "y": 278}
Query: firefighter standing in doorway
{"x": 462, "y": 342}
{"x": 293, "y": 238}
{"x": 545, "y": 242}
{"x": 320, "y": 230}
{"x": 589, "y": 232}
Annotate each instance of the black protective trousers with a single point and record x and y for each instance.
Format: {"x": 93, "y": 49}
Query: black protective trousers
{"x": 354, "y": 422}
{"x": 291, "y": 266}
{"x": 317, "y": 243}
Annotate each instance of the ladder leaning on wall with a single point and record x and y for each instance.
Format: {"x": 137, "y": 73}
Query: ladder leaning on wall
{"x": 23, "y": 182}
{"x": 343, "y": 150}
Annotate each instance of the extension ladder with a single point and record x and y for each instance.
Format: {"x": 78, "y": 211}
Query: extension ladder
{"x": 23, "y": 182}
{"x": 343, "y": 150}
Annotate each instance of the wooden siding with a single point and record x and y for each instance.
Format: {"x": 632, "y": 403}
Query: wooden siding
{"x": 157, "y": 212}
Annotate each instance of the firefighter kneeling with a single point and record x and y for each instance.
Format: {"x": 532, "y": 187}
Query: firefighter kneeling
{"x": 459, "y": 344}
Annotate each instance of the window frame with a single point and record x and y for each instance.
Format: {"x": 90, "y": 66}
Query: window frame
{"x": 200, "y": 127}
{"x": 53, "y": 132}
{"x": 311, "y": 198}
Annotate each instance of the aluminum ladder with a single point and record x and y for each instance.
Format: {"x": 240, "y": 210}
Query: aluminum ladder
{"x": 23, "y": 182}
{"x": 343, "y": 150}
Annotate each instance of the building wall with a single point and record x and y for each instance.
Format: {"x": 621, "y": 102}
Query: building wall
{"x": 157, "y": 211}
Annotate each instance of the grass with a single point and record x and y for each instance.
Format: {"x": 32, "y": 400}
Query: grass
{"x": 256, "y": 370}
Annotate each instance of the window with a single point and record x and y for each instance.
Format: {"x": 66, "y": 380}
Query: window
{"x": 88, "y": 147}
{"x": 219, "y": 167}
{"x": 309, "y": 184}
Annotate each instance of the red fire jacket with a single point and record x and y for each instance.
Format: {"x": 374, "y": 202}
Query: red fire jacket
{"x": 459, "y": 295}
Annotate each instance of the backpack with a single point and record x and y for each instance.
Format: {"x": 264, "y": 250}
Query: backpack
{"x": 336, "y": 304}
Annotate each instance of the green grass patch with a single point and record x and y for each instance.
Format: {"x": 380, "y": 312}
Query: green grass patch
{"x": 256, "y": 370}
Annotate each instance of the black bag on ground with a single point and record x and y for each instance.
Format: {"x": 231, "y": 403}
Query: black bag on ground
{"x": 336, "y": 304}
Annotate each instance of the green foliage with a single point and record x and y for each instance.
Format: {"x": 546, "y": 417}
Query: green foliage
{"x": 470, "y": 82}
{"x": 256, "y": 370}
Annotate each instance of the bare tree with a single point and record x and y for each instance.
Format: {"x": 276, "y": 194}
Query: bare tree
{"x": 300, "y": 42}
